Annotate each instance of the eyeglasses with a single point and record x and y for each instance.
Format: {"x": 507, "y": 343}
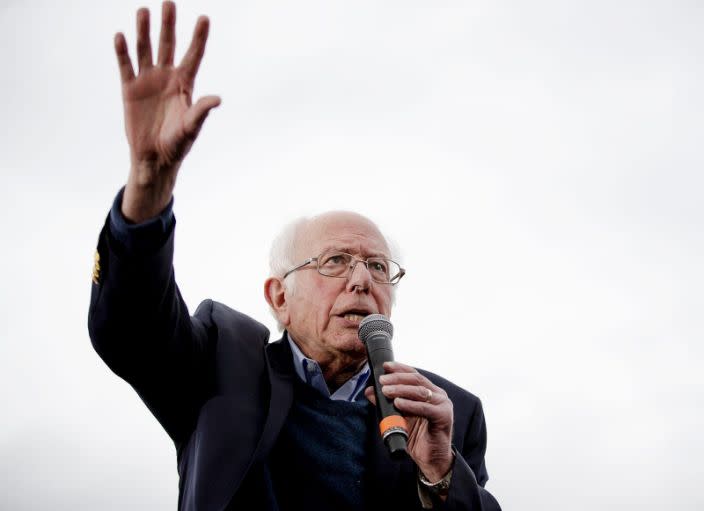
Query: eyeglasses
{"x": 341, "y": 265}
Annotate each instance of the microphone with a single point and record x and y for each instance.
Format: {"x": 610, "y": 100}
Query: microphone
{"x": 376, "y": 331}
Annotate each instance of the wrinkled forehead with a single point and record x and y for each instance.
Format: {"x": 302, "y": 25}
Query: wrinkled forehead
{"x": 345, "y": 231}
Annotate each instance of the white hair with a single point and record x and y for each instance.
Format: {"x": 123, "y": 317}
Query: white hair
{"x": 284, "y": 249}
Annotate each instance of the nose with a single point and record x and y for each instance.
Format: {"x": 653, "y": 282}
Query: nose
{"x": 360, "y": 280}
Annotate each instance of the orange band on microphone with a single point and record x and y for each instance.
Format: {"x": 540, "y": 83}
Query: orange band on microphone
{"x": 392, "y": 422}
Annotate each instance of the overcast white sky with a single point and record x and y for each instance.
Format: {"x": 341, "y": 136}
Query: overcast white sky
{"x": 539, "y": 164}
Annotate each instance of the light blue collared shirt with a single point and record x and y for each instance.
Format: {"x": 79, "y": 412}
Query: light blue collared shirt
{"x": 309, "y": 372}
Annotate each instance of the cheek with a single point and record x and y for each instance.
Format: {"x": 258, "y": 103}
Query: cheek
{"x": 384, "y": 300}
{"x": 321, "y": 302}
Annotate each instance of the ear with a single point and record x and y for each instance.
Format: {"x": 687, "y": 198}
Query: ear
{"x": 275, "y": 294}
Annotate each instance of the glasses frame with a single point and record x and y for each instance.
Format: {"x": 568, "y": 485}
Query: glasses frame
{"x": 353, "y": 264}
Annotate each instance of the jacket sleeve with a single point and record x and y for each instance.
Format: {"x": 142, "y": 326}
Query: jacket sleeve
{"x": 140, "y": 326}
{"x": 469, "y": 473}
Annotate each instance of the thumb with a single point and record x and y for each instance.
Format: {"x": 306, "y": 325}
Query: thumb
{"x": 196, "y": 114}
{"x": 369, "y": 393}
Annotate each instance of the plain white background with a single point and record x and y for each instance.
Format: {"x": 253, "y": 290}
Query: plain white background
{"x": 539, "y": 164}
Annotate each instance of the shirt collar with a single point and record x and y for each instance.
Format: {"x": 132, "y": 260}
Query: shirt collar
{"x": 308, "y": 370}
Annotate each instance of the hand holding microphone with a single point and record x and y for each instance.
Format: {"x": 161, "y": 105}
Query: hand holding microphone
{"x": 415, "y": 415}
{"x": 376, "y": 332}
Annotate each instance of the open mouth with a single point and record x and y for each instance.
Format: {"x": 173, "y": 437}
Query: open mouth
{"x": 355, "y": 316}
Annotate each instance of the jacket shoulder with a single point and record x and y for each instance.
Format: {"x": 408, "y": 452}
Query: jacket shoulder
{"x": 216, "y": 315}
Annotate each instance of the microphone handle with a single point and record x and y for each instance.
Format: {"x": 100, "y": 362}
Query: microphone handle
{"x": 392, "y": 425}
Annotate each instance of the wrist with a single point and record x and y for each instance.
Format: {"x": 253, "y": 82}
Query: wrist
{"x": 438, "y": 468}
{"x": 438, "y": 488}
{"x": 142, "y": 202}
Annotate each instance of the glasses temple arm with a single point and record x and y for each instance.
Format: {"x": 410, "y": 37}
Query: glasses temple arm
{"x": 304, "y": 263}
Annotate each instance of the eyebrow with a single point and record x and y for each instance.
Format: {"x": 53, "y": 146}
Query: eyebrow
{"x": 352, "y": 251}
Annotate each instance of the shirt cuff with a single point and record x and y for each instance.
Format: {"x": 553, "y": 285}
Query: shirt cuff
{"x": 426, "y": 501}
{"x": 143, "y": 237}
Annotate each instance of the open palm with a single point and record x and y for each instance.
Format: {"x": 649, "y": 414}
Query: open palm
{"x": 161, "y": 122}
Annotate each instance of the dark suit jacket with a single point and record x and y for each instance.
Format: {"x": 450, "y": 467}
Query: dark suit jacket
{"x": 222, "y": 392}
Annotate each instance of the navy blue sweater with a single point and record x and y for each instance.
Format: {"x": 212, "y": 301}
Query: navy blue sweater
{"x": 320, "y": 460}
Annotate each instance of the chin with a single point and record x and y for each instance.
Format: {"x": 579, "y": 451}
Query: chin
{"x": 351, "y": 344}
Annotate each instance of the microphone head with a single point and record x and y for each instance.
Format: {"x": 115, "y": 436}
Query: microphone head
{"x": 375, "y": 323}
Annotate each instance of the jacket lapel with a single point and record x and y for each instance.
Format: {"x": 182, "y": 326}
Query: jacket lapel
{"x": 230, "y": 438}
{"x": 279, "y": 363}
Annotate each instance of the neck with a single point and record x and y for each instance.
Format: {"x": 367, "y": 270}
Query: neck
{"x": 337, "y": 367}
{"x": 335, "y": 377}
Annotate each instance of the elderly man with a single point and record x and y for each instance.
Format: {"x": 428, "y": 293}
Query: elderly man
{"x": 258, "y": 425}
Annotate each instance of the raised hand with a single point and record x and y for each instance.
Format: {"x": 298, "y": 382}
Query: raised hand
{"x": 161, "y": 122}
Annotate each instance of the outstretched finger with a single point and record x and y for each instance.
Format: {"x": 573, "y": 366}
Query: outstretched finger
{"x": 123, "y": 58}
{"x": 191, "y": 60}
{"x": 167, "y": 38}
{"x": 144, "y": 45}
{"x": 196, "y": 114}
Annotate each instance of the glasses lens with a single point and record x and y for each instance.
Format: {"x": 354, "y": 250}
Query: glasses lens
{"x": 383, "y": 270}
{"x": 334, "y": 264}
